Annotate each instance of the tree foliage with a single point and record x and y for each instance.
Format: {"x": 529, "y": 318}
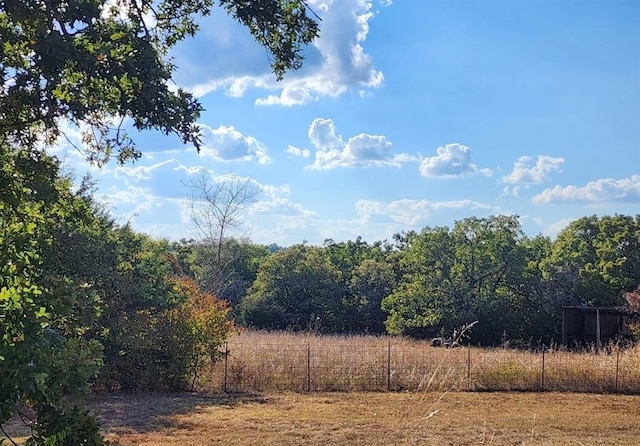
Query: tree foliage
{"x": 153, "y": 318}
{"x": 594, "y": 259}
{"x": 77, "y": 291}
{"x": 482, "y": 270}
{"x": 337, "y": 288}
{"x": 202, "y": 322}
{"x": 296, "y": 288}
{"x": 96, "y": 63}
{"x": 46, "y": 307}
{"x": 434, "y": 281}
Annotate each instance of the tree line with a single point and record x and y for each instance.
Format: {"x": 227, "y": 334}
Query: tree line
{"x": 431, "y": 282}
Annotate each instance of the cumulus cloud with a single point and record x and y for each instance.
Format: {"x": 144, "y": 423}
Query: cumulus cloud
{"x": 322, "y": 134}
{"x": 281, "y": 206}
{"x": 142, "y": 172}
{"x": 276, "y": 202}
{"x": 525, "y": 173}
{"x": 275, "y": 216}
{"x": 452, "y": 160}
{"x": 367, "y": 147}
{"x": 298, "y": 152}
{"x": 337, "y": 61}
{"x": 604, "y": 190}
{"x": 132, "y": 200}
{"x": 228, "y": 144}
{"x": 411, "y": 212}
{"x": 361, "y": 150}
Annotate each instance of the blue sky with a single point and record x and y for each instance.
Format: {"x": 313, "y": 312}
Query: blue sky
{"x": 406, "y": 114}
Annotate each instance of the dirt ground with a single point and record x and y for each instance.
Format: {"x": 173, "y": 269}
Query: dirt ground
{"x": 455, "y": 418}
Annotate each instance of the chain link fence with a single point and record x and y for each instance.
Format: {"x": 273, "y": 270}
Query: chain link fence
{"x": 340, "y": 366}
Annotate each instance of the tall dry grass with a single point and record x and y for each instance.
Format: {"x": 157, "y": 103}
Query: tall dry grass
{"x": 282, "y": 361}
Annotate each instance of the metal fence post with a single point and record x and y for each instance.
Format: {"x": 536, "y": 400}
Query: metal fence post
{"x": 389, "y": 367}
{"x": 468, "y": 367}
{"x": 308, "y": 367}
{"x": 617, "y": 367}
{"x": 542, "y": 378}
{"x": 226, "y": 365}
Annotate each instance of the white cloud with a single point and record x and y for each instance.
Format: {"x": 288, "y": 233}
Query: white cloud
{"x": 452, "y": 160}
{"x": 510, "y": 191}
{"x": 228, "y": 144}
{"x": 523, "y": 172}
{"x": 276, "y": 217}
{"x": 336, "y": 62}
{"x": 281, "y": 206}
{"x": 367, "y": 147}
{"x": 411, "y": 212}
{"x": 322, "y": 134}
{"x": 289, "y": 97}
{"x": 604, "y": 190}
{"x": 131, "y": 201}
{"x": 298, "y": 152}
{"x": 361, "y": 150}
{"x": 139, "y": 172}
{"x": 277, "y": 203}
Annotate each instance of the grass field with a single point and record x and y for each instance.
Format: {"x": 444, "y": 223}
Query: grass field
{"x": 427, "y": 404}
{"x": 427, "y": 418}
{"x": 277, "y": 361}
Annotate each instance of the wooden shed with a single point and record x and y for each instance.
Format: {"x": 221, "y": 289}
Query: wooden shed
{"x": 594, "y": 325}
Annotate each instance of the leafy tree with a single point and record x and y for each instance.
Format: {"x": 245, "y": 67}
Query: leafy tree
{"x": 296, "y": 288}
{"x": 490, "y": 261}
{"x": 202, "y": 324}
{"x": 541, "y": 311}
{"x": 371, "y": 281}
{"x": 474, "y": 272}
{"x": 421, "y": 303}
{"x": 366, "y": 277}
{"x": 243, "y": 258}
{"x": 347, "y": 256}
{"x": 96, "y": 63}
{"x": 595, "y": 259}
{"x": 137, "y": 291}
{"x": 46, "y": 307}
{"x": 77, "y": 290}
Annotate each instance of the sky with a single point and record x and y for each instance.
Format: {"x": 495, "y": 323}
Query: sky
{"x": 406, "y": 114}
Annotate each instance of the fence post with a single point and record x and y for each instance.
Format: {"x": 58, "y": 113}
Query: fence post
{"x": 226, "y": 365}
{"x": 308, "y": 367}
{"x": 389, "y": 367}
{"x": 468, "y": 367}
{"x": 617, "y": 367}
{"x": 542, "y": 378}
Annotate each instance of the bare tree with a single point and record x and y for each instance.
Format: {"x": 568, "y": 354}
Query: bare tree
{"x": 218, "y": 206}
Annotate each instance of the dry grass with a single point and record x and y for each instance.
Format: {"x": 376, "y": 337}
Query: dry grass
{"x": 425, "y": 418}
{"x": 267, "y": 361}
{"x": 267, "y": 367}
{"x": 422, "y": 418}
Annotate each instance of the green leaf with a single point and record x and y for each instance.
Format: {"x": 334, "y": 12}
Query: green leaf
{"x": 118, "y": 35}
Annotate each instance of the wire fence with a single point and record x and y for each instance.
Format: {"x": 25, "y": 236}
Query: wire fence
{"x": 308, "y": 367}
